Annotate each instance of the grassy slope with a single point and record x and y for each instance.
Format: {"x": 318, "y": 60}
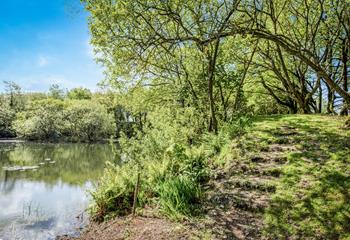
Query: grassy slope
{"x": 290, "y": 178}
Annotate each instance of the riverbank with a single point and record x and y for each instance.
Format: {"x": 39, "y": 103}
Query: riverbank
{"x": 276, "y": 181}
{"x": 146, "y": 228}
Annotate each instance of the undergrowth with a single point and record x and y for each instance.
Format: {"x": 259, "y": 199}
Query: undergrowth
{"x": 173, "y": 158}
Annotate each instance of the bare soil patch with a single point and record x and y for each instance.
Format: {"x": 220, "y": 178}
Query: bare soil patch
{"x": 138, "y": 228}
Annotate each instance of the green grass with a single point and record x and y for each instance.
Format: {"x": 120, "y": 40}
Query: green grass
{"x": 312, "y": 198}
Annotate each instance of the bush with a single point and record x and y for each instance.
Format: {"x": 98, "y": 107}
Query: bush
{"x": 173, "y": 184}
{"x": 114, "y": 194}
{"x": 87, "y": 121}
{"x": 54, "y": 119}
{"x": 43, "y": 119}
{"x": 79, "y": 93}
{"x": 173, "y": 158}
{"x": 7, "y": 116}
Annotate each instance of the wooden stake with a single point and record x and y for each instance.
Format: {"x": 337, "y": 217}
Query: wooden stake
{"x": 136, "y": 193}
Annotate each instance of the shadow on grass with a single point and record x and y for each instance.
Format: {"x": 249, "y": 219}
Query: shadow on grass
{"x": 312, "y": 200}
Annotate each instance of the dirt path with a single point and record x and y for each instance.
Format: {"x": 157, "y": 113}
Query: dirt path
{"x": 138, "y": 228}
{"x": 240, "y": 194}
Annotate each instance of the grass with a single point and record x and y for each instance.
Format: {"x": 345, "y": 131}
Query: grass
{"x": 312, "y": 198}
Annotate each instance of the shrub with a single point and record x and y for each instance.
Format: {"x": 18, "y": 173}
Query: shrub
{"x": 114, "y": 194}
{"x": 87, "y": 121}
{"x": 7, "y": 117}
{"x": 43, "y": 119}
{"x": 54, "y": 119}
{"x": 79, "y": 93}
{"x": 173, "y": 160}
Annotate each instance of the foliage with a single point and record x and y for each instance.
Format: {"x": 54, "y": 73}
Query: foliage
{"x": 54, "y": 119}
{"x": 87, "y": 121}
{"x": 13, "y": 97}
{"x": 42, "y": 120}
{"x": 7, "y": 117}
{"x": 56, "y": 92}
{"x": 79, "y": 93}
{"x": 179, "y": 195}
{"x": 172, "y": 170}
{"x": 219, "y": 56}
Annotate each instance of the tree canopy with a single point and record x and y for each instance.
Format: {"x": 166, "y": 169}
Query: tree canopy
{"x": 216, "y": 55}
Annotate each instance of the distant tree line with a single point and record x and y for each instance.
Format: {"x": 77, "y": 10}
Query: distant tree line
{"x": 76, "y": 115}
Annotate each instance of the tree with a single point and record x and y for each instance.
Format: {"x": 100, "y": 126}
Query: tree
{"x": 7, "y": 117}
{"x": 42, "y": 120}
{"x": 87, "y": 121}
{"x": 72, "y": 120}
{"x": 79, "y": 93}
{"x": 56, "y": 92}
{"x": 179, "y": 47}
{"x": 145, "y": 37}
{"x": 14, "y": 95}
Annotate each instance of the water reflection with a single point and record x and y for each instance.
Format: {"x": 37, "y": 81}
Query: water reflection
{"x": 41, "y": 203}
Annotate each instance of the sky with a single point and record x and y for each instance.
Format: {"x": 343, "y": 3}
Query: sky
{"x": 45, "y": 42}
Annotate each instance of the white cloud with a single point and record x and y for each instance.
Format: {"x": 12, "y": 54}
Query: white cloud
{"x": 43, "y": 61}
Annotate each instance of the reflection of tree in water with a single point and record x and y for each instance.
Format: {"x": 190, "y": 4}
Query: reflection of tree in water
{"x": 8, "y": 184}
{"x": 74, "y": 163}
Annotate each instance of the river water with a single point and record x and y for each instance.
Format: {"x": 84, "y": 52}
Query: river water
{"x": 50, "y": 200}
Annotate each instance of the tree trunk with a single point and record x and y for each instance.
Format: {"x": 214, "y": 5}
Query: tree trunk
{"x": 320, "y": 99}
{"x": 213, "y": 124}
{"x": 304, "y": 107}
{"x": 331, "y": 98}
{"x": 345, "y": 52}
{"x": 293, "y": 108}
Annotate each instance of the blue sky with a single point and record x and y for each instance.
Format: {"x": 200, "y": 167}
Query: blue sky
{"x": 44, "y": 42}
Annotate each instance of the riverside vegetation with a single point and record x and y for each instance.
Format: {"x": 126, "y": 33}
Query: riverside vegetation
{"x": 231, "y": 118}
{"x": 276, "y": 177}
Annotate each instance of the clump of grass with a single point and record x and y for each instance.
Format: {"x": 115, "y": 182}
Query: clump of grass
{"x": 179, "y": 196}
{"x": 172, "y": 183}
